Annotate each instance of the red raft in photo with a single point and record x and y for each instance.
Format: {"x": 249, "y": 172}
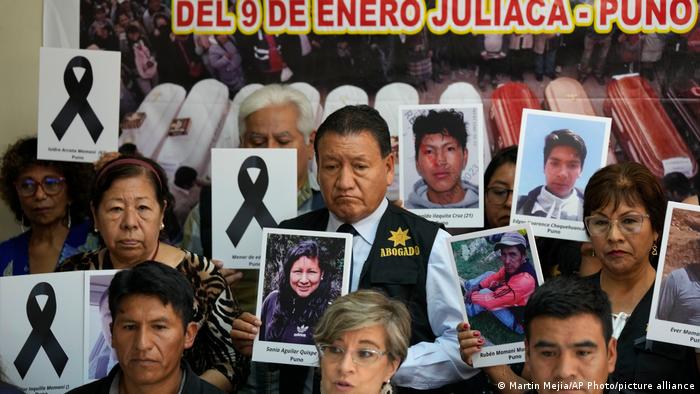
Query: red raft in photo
{"x": 508, "y": 102}
{"x": 567, "y": 95}
{"x": 644, "y": 130}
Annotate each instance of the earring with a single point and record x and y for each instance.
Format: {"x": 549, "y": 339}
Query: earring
{"x": 654, "y": 250}
{"x": 593, "y": 253}
{"x": 96, "y": 230}
{"x": 68, "y": 216}
{"x": 162, "y": 226}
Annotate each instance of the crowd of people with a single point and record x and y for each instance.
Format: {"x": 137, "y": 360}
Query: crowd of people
{"x": 413, "y": 341}
{"x": 151, "y": 54}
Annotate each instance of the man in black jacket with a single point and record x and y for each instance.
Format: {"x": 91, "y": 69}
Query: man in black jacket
{"x": 394, "y": 251}
{"x": 152, "y": 309}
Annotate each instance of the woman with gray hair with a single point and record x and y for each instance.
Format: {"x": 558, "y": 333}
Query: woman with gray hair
{"x": 362, "y": 339}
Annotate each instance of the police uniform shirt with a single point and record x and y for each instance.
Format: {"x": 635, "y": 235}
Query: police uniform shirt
{"x": 429, "y": 364}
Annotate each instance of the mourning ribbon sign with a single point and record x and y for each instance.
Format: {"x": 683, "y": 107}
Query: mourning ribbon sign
{"x": 77, "y": 103}
{"x": 253, "y": 206}
{"x": 41, "y": 335}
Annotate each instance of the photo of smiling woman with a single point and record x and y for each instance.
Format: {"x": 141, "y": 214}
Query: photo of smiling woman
{"x": 298, "y": 292}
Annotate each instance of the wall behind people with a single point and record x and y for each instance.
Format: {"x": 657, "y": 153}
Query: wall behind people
{"x": 20, "y": 39}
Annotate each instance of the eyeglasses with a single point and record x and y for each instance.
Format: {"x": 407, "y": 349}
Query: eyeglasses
{"x": 498, "y": 195}
{"x": 599, "y": 225}
{"x": 362, "y": 357}
{"x": 51, "y": 185}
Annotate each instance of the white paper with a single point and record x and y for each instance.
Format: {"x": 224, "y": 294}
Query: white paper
{"x": 472, "y": 172}
{"x": 536, "y": 125}
{"x": 473, "y": 255}
{"x": 96, "y": 346}
{"x": 679, "y": 258}
{"x": 280, "y": 200}
{"x": 103, "y": 98}
{"x": 338, "y": 245}
{"x": 67, "y": 328}
{"x": 62, "y": 23}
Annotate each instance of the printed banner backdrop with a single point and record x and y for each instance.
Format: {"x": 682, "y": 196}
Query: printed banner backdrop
{"x": 675, "y": 312}
{"x": 655, "y": 110}
{"x": 78, "y": 96}
{"x": 41, "y": 320}
{"x": 304, "y": 270}
{"x": 497, "y": 283}
{"x": 251, "y": 189}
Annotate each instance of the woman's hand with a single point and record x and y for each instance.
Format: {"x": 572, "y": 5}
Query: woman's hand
{"x": 470, "y": 342}
{"x": 245, "y": 328}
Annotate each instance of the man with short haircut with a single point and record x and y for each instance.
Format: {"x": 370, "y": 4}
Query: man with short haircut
{"x": 441, "y": 156}
{"x": 564, "y": 155}
{"x": 274, "y": 116}
{"x": 395, "y": 251}
{"x": 568, "y": 337}
{"x": 506, "y": 291}
{"x": 152, "y": 309}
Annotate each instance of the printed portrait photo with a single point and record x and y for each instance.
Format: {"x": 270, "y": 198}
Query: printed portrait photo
{"x": 557, "y": 155}
{"x": 302, "y": 275}
{"x": 498, "y": 272}
{"x": 679, "y": 296}
{"x": 441, "y": 161}
{"x": 101, "y": 356}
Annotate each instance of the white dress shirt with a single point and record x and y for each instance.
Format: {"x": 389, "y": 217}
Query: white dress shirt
{"x": 429, "y": 365}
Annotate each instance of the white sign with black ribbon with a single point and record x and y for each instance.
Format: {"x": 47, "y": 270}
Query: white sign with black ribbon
{"x": 41, "y": 325}
{"x": 78, "y": 104}
{"x": 251, "y": 189}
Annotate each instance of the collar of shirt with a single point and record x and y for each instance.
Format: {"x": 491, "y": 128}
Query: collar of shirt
{"x": 553, "y": 206}
{"x": 366, "y": 228}
{"x": 114, "y": 387}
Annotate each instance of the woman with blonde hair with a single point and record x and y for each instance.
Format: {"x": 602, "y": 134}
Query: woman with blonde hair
{"x": 362, "y": 339}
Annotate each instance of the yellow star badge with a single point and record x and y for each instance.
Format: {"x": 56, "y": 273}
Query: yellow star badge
{"x": 399, "y": 237}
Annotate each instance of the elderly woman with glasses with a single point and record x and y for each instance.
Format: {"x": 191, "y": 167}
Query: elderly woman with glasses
{"x": 49, "y": 200}
{"x": 362, "y": 339}
{"x": 624, "y": 208}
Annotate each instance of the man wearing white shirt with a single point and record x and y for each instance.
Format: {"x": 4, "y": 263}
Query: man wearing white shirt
{"x": 399, "y": 253}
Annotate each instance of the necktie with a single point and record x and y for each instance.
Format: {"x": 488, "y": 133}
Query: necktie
{"x": 349, "y": 229}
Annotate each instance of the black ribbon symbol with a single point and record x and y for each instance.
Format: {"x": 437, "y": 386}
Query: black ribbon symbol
{"x": 77, "y": 103}
{"x": 253, "y": 207}
{"x": 41, "y": 335}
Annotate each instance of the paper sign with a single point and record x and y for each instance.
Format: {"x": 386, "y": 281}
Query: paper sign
{"x": 675, "y": 311}
{"x": 251, "y": 189}
{"x": 492, "y": 306}
{"x": 41, "y": 323}
{"x": 548, "y": 191}
{"x": 302, "y": 270}
{"x": 78, "y": 104}
{"x": 441, "y": 175}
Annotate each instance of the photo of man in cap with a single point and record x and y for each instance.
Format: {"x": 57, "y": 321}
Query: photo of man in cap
{"x": 564, "y": 156}
{"x": 504, "y": 293}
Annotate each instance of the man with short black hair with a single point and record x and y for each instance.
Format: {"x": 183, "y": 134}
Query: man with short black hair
{"x": 152, "y": 306}
{"x": 568, "y": 337}
{"x": 564, "y": 155}
{"x": 441, "y": 156}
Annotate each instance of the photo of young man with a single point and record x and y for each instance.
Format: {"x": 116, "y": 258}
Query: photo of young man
{"x": 441, "y": 155}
